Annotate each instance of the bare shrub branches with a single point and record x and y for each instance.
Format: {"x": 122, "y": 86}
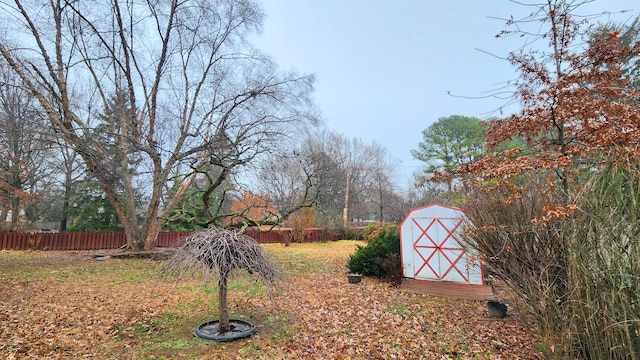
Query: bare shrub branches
{"x": 529, "y": 258}
{"x": 217, "y": 252}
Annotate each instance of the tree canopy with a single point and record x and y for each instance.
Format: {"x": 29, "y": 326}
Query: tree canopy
{"x": 150, "y": 93}
{"x": 450, "y": 142}
{"x": 578, "y": 105}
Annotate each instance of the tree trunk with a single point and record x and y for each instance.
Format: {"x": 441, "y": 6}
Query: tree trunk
{"x": 134, "y": 240}
{"x": 223, "y": 324}
{"x": 153, "y": 229}
{"x": 65, "y": 211}
{"x": 287, "y": 240}
{"x": 152, "y": 223}
{"x": 4, "y": 215}
{"x": 15, "y": 214}
{"x": 65, "y": 202}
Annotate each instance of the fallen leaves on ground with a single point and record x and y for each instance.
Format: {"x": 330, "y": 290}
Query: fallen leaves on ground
{"x": 54, "y": 305}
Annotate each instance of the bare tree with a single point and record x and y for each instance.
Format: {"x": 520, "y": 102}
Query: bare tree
{"x": 282, "y": 185}
{"x": 70, "y": 167}
{"x": 370, "y": 180}
{"x": 287, "y": 180}
{"x": 173, "y": 86}
{"x": 218, "y": 252}
{"x": 380, "y": 188}
{"x": 294, "y": 180}
{"x": 330, "y": 177}
{"x": 24, "y": 153}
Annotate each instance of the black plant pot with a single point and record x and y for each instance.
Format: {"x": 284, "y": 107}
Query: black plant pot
{"x": 239, "y": 329}
{"x": 354, "y": 278}
{"x": 497, "y": 309}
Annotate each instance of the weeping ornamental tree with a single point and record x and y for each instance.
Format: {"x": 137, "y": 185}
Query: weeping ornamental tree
{"x": 173, "y": 86}
{"x": 218, "y": 252}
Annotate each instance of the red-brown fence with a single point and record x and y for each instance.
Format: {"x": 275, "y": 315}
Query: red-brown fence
{"x": 114, "y": 240}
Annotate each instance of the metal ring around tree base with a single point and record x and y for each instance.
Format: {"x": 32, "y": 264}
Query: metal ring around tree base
{"x": 239, "y": 329}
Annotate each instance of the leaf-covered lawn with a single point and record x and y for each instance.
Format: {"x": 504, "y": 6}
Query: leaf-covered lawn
{"x": 67, "y": 305}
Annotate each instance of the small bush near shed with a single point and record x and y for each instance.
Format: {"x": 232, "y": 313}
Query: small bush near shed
{"x": 381, "y": 256}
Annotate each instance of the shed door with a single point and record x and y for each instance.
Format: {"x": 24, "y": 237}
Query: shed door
{"x": 437, "y": 253}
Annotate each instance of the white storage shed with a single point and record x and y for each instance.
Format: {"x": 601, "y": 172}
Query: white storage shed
{"x": 433, "y": 257}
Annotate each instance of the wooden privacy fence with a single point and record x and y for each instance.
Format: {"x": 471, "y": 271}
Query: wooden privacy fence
{"x": 114, "y": 240}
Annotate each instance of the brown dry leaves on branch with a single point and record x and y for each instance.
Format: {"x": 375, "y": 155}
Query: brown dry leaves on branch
{"x": 62, "y": 305}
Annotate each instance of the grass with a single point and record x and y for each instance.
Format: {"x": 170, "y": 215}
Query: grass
{"x": 67, "y": 305}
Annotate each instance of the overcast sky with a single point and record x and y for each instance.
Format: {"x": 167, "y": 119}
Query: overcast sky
{"x": 384, "y": 68}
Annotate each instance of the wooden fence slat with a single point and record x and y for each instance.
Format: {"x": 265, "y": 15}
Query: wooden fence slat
{"x": 9, "y": 243}
{"x": 69, "y": 242}
{"x": 46, "y": 240}
{"x": 19, "y": 241}
{"x": 57, "y": 241}
{"x": 4, "y": 242}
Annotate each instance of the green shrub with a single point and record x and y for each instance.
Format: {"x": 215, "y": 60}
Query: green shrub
{"x": 380, "y": 257}
{"x": 391, "y": 267}
{"x": 367, "y": 231}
